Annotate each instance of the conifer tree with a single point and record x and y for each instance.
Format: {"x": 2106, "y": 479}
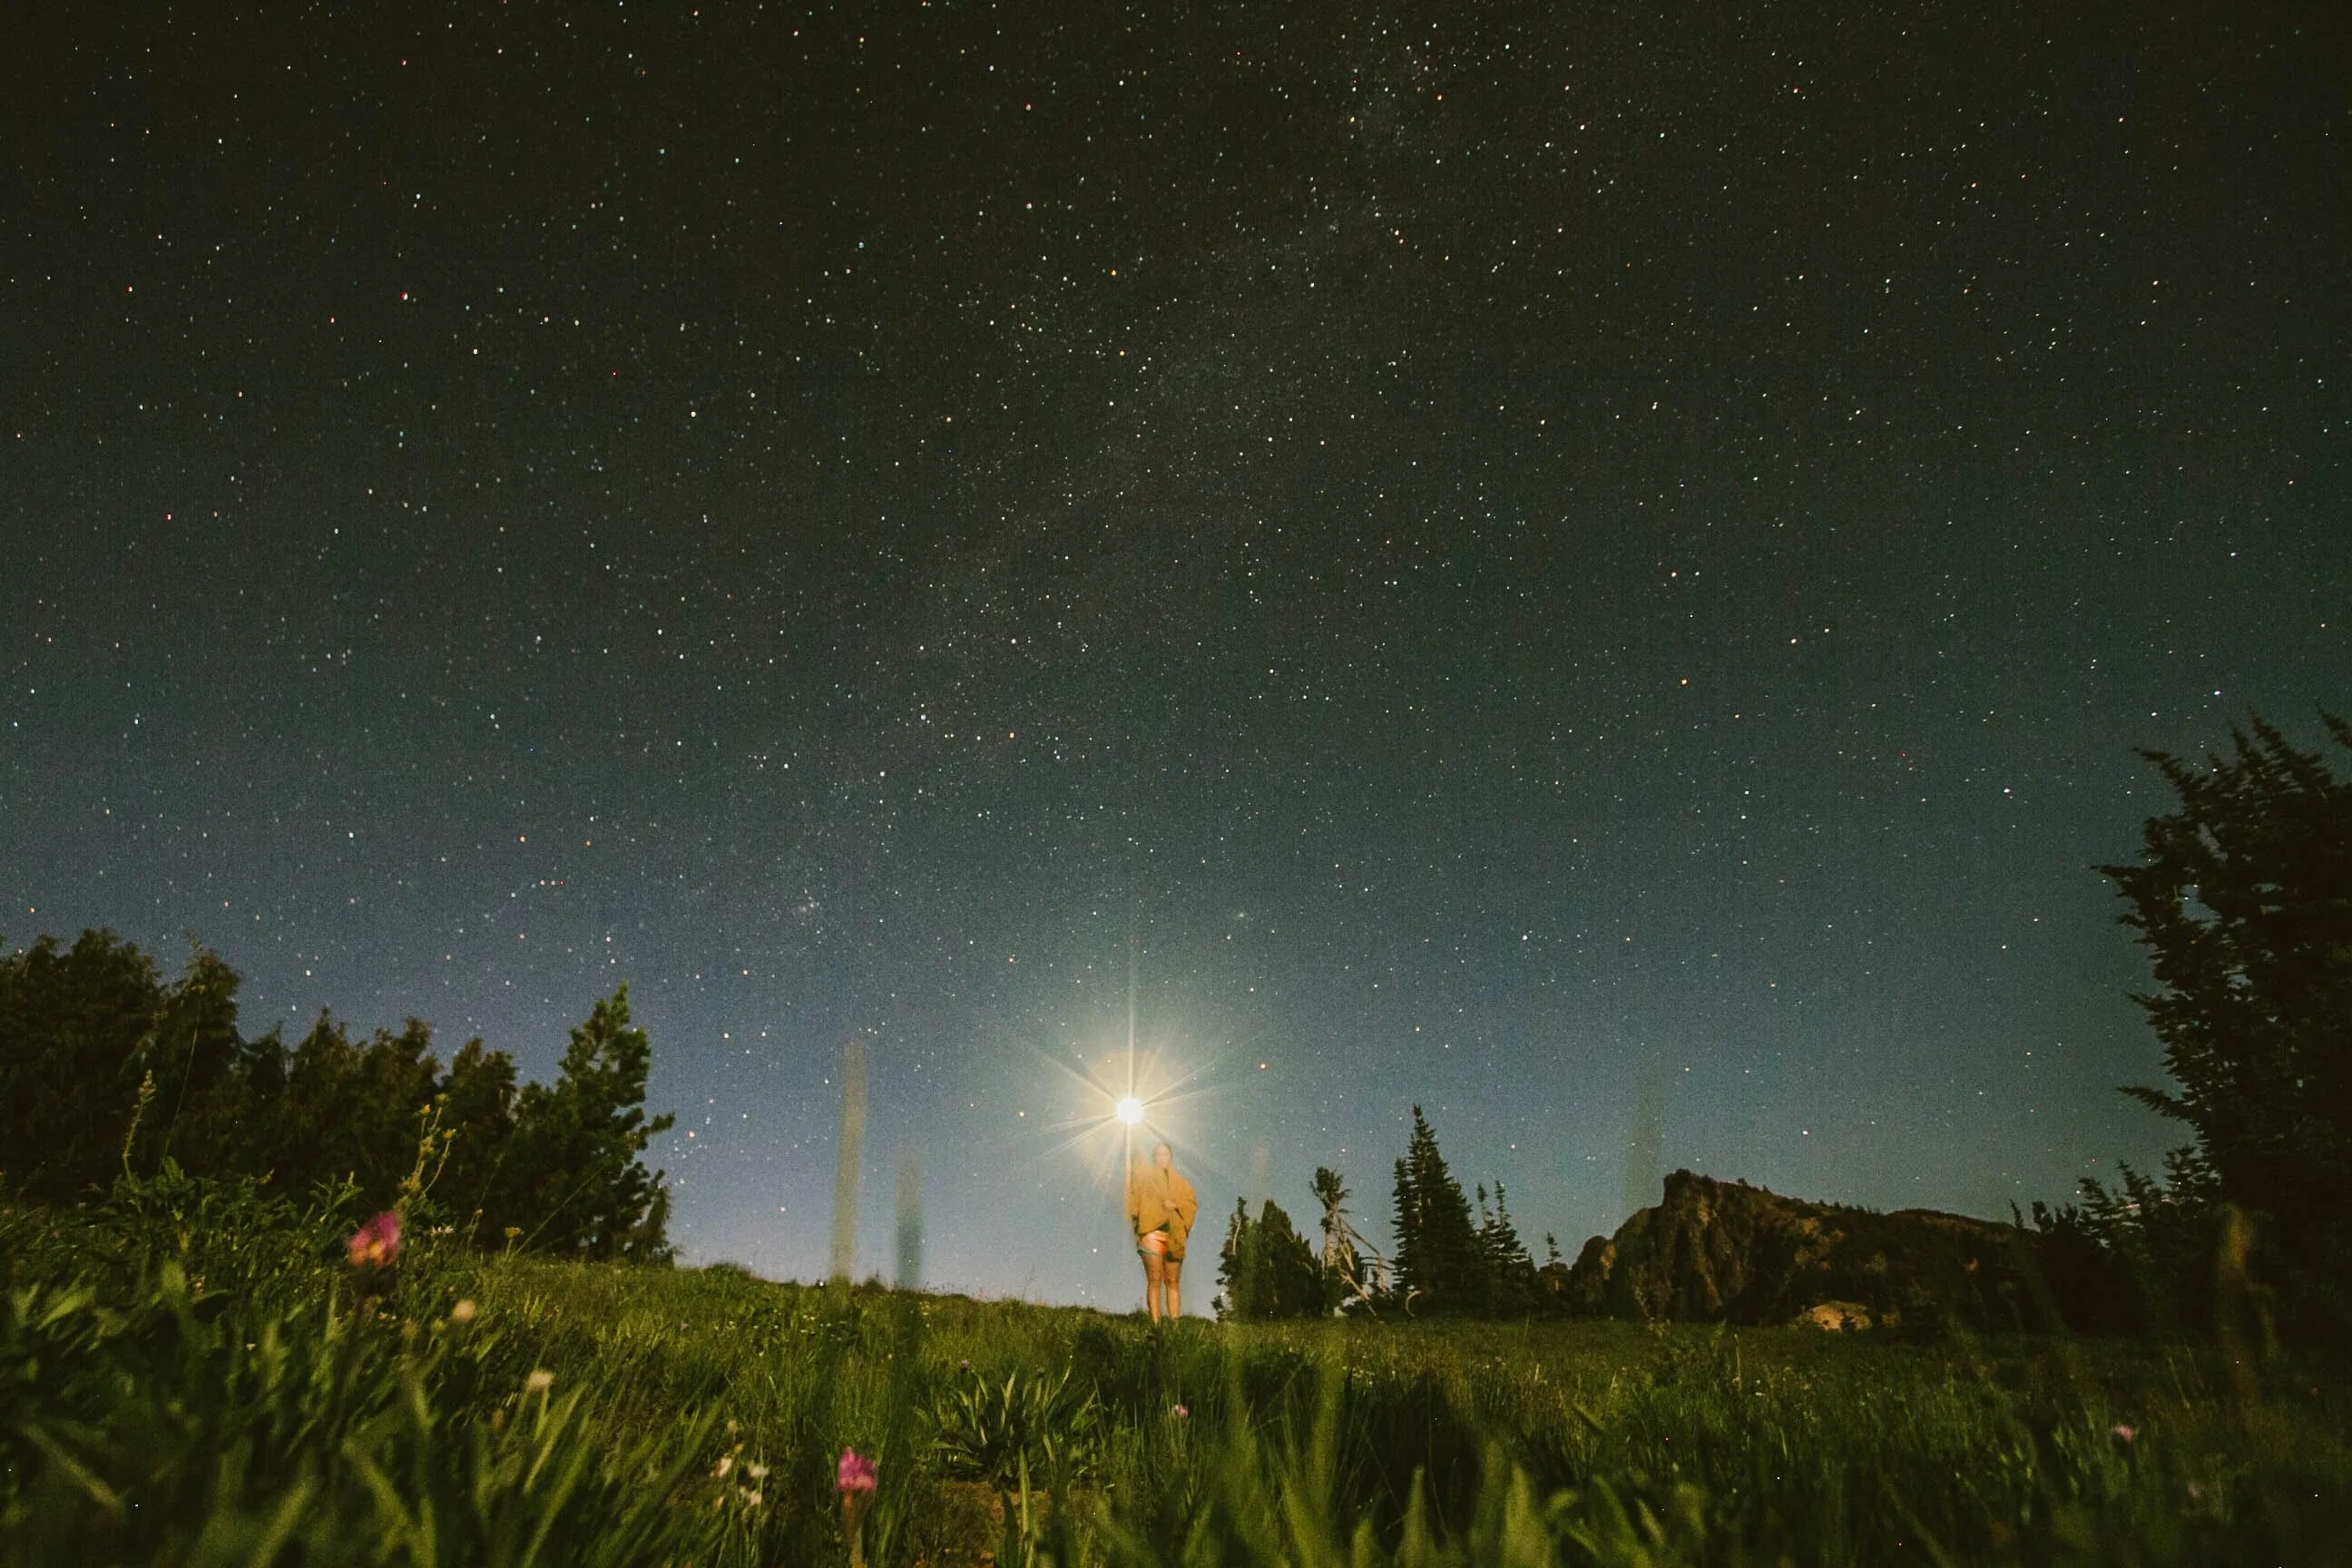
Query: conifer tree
{"x": 1405, "y": 1221}
{"x": 1446, "y": 1270}
{"x": 1511, "y": 1273}
{"x": 1266, "y": 1268}
{"x": 573, "y": 1174}
{"x": 106, "y": 1071}
{"x": 1288, "y": 1277}
{"x": 1489, "y": 1258}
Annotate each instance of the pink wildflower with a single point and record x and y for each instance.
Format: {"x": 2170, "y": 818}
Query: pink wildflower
{"x": 2124, "y": 1434}
{"x": 855, "y": 1480}
{"x": 376, "y": 1243}
{"x": 1179, "y": 1412}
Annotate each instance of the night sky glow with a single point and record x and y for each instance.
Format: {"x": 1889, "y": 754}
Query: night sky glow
{"x": 1595, "y": 568}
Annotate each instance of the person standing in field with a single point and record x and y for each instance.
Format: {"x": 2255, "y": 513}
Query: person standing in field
{"x": 1160, "y": 1207}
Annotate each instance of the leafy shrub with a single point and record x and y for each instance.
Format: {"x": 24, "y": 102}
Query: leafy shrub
{"x": 1029, "y": 1428}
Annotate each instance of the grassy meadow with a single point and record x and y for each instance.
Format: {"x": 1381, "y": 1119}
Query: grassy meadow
{"x": 198, "y": 1375}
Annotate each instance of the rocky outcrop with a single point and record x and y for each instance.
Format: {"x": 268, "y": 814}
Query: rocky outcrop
{"x": 1726, "y": 1252}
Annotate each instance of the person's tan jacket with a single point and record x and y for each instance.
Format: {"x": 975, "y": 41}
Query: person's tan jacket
{"x": 1157, "y": 1197}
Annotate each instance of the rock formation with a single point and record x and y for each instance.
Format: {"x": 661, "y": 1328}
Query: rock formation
{"x": 1719, "y": 1251}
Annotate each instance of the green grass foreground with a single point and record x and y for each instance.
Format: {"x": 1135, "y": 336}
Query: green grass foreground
{"x": 187, "y": 1379}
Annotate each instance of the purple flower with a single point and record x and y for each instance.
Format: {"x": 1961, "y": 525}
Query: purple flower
{"x": 855, "y": 1480}
{"x": 377, "y": 1243}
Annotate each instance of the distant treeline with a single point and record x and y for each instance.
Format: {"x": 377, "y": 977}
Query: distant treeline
{"x": 2243, "y": 897}
{"x": 1448, "y": 1262}
{"x": 108, "y": 1069}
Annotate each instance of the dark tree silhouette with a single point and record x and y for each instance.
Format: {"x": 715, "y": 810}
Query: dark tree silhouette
{"x": 2242, "y": 896}
{"x": 1440, "y": 1264}
{"x": 75, "y": 1025}
{"x": 572, "y": 1174}
{"x": 349, "y": 1109}
{"x": 1510, "y": 1273}
{"x": 105, "y": 1070}
{"x": 1266, "y": 1269}
{"x": 194, "y": 1051}
{"x": 479, "y": 1106}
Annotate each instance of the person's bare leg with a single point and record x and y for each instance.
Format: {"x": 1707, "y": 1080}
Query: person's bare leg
{"x": 1174, "y": 1270}
{"x": 1152, "y": 1283}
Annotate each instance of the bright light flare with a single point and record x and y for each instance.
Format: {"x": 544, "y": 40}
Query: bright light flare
{"x": 1130, "y": 1109}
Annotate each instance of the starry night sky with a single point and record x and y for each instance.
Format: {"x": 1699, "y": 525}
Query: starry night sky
{"x": 1596, "y": 567}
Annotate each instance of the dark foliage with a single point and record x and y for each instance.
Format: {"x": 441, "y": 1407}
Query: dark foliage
{"x": 1447, "y": 1263}
{"x": 78, "y": 1027}
{"x": 1510, "y": 1273}
{"x": 2242, "y": 896}
{"x": 1440, "y": 1263}
{"x": 574, "y": 1157}
{"x": 1266, "y": 1269}
{"x": 106, "y": 1071}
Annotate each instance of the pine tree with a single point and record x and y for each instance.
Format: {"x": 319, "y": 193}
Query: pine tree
{"x": 1290, "y": 1284}
{"x": 1445, "y": 1271}
{"x": 1405, "y": 1222}
{"x": 1266, "y": 1270}
{"x": 1490, "y": 1262}
{"x": 573, "y": 1176}
{"x": 1511, "y": 1273}
{"x": 1551, "y": 1280}
{"x": 82, "y": 1029}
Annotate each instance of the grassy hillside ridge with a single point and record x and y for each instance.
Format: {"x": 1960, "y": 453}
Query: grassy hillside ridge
{"x": 194, "y": 1378}
{"x": 1762, "y": 1441}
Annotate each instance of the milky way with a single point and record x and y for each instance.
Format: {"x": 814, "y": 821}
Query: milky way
{"x": 1599, "y": 570}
